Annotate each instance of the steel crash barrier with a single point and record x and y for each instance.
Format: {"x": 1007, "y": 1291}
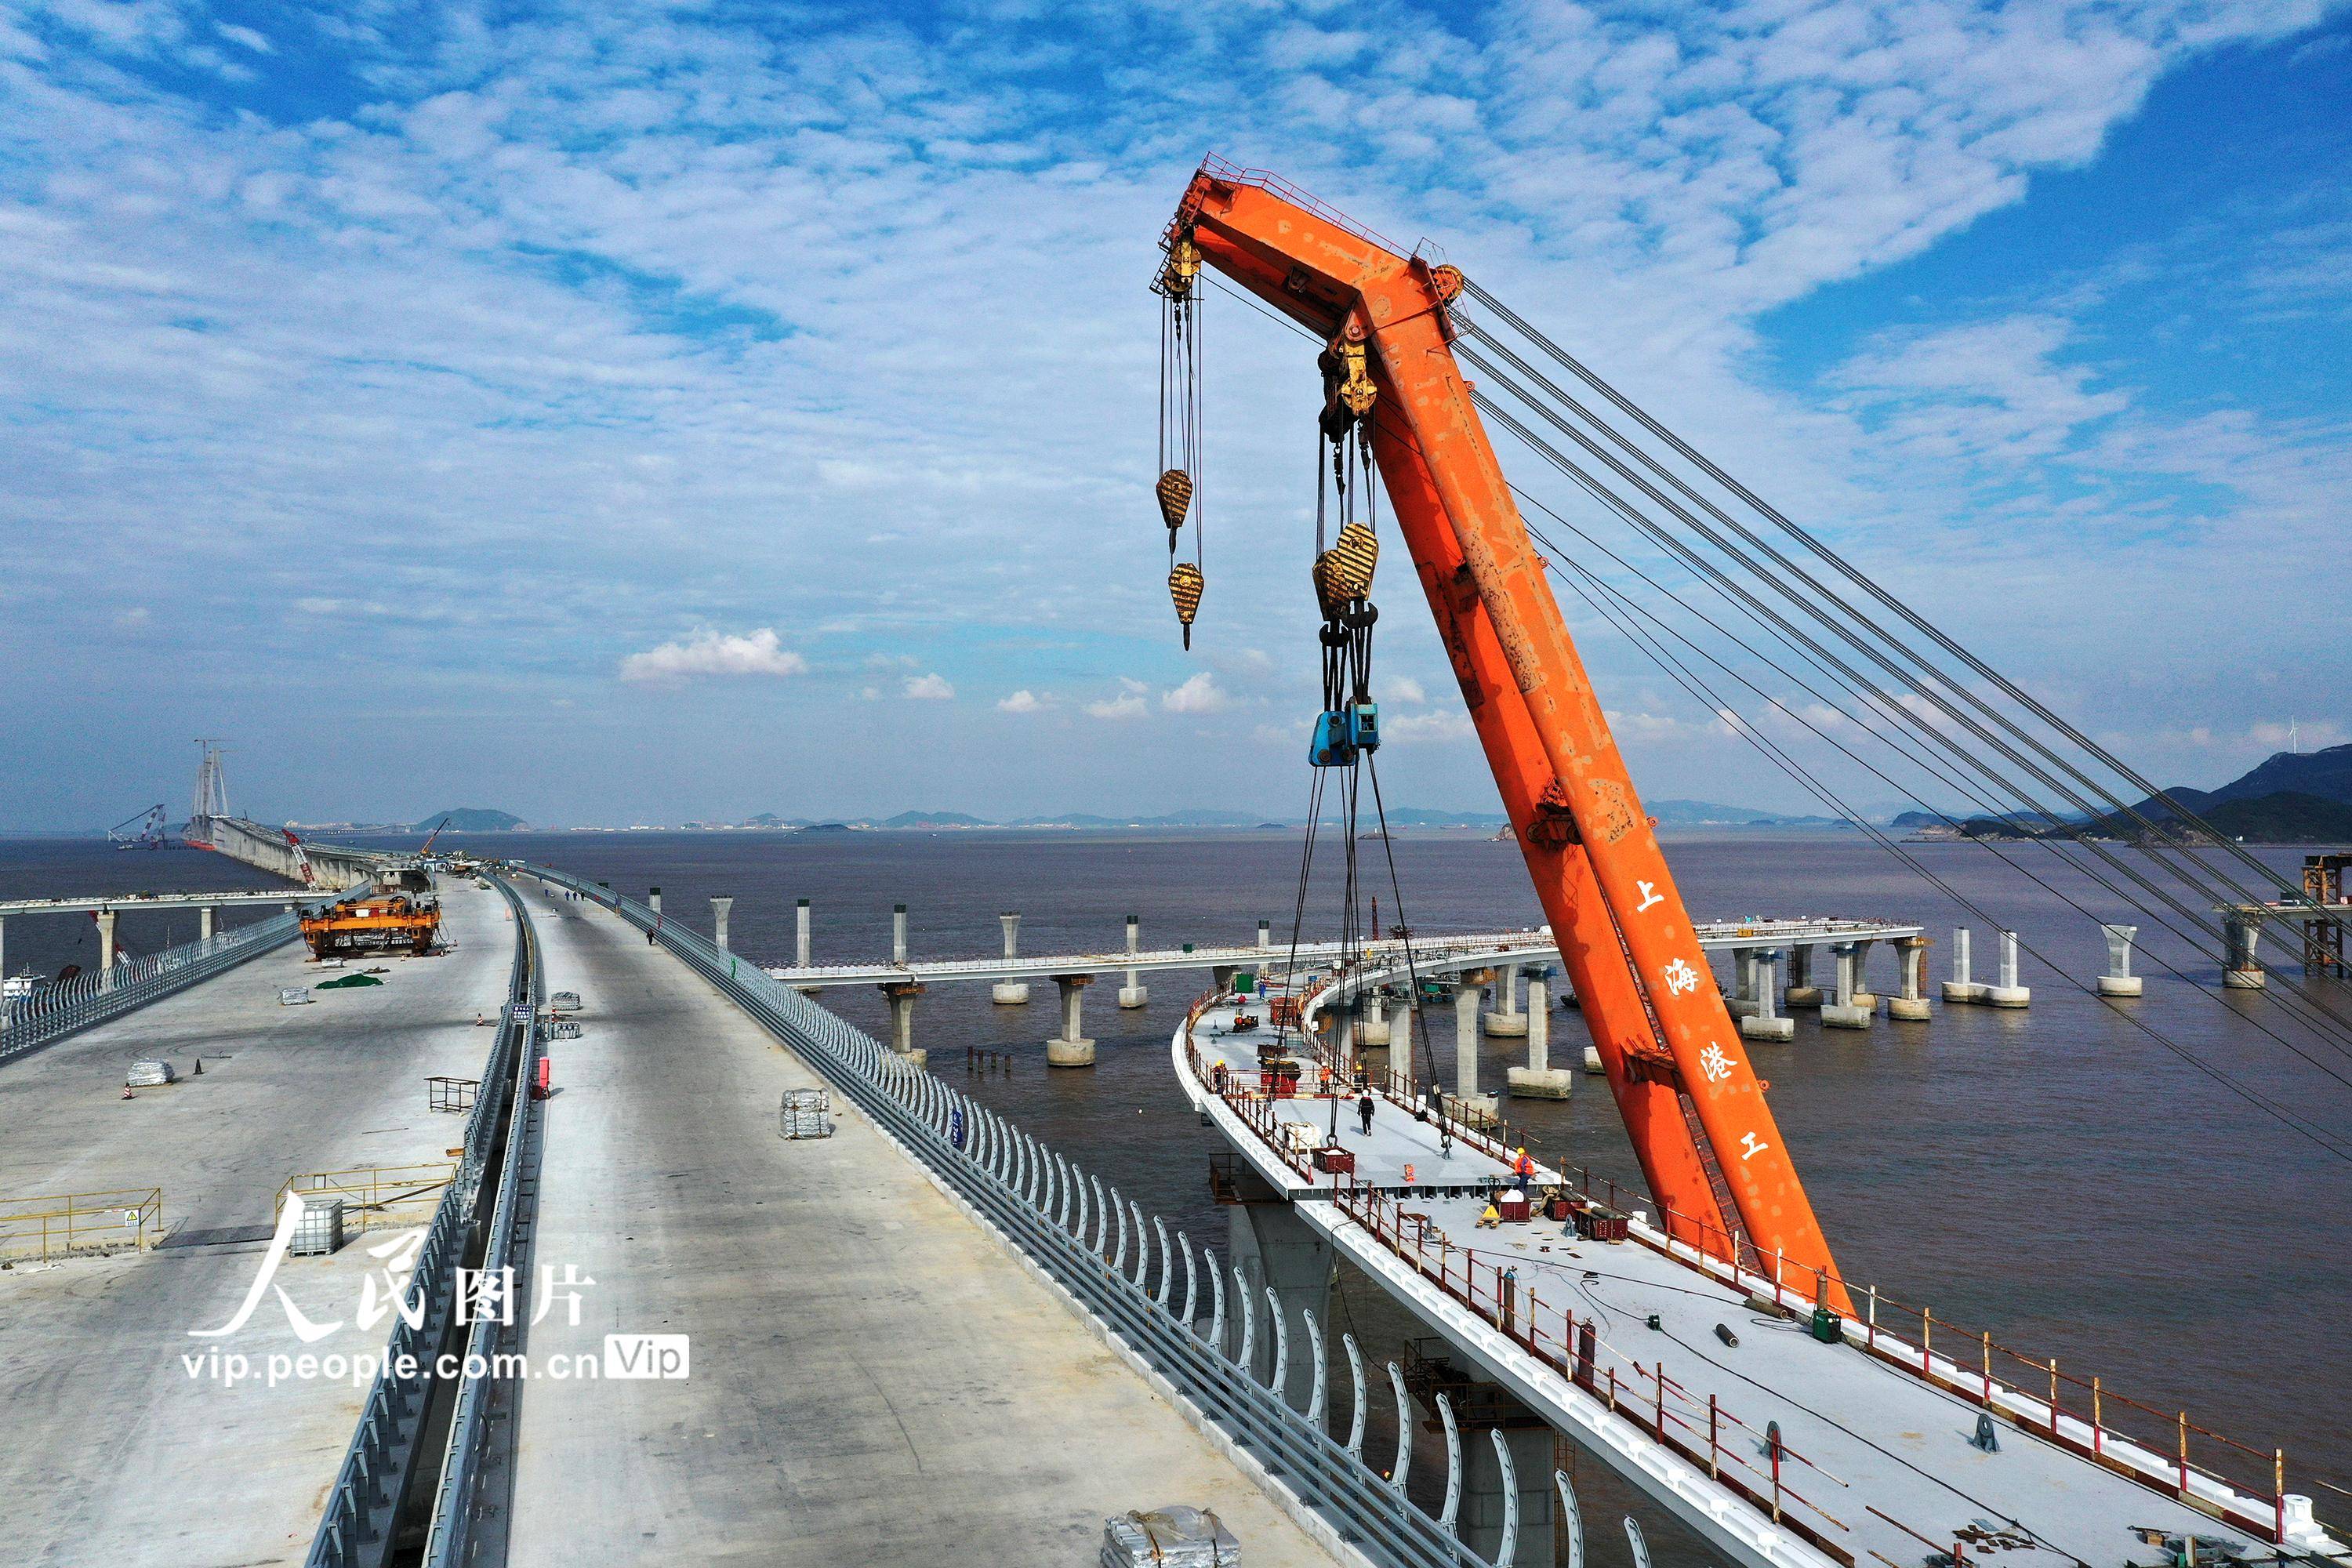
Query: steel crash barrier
{"x": 1095, "y": 1244}
{"x": 53, "y": 1011}
{"x": 376, "y": 1491}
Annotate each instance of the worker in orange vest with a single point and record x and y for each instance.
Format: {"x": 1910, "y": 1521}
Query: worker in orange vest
{"x": 1523, "y": 1167}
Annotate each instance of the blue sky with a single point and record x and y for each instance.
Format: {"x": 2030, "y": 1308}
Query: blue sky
{"x": 676, "y": 411}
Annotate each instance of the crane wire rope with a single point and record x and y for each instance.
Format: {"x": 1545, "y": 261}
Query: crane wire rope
{"x": 1700, "y": 691}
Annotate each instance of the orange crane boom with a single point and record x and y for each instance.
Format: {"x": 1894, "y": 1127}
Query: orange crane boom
{"x": 1693, "y": 1104}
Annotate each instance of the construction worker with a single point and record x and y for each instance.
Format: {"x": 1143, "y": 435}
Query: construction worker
{"x": 1523, "y": 1167}
{"x": 1364, "y": 1112}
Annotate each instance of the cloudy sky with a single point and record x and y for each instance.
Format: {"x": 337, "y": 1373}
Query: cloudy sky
{"x": 640, "y": 413}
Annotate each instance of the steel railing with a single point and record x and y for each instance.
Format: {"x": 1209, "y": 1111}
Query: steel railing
{"x": 2244, "y": 1485}
{"x": 65, "y": 1007}
{"x": 46, "y": 1226}
{"x": 374, "y": 1197}
{"x": 1024, "y": 1190}
{"x": 380, "y": 1466}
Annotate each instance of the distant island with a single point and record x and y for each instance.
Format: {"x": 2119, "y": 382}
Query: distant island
{"x": 2292, "y": 797}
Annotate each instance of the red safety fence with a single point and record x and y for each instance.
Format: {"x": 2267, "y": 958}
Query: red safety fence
{"x": 2163, "y": 1450}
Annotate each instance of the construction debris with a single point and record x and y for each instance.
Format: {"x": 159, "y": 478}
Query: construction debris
{"x": 1171, "y": 1537}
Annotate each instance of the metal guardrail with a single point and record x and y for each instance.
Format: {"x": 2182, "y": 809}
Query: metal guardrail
{"x": 1010, "y": 1180}
{"x": 456, "y": 1501}
{"x": 56, "y": 1010}
{"x": 380, "y": 1466}
{"x": 53, "y": 1226}
{"x": 374, "y": 1197}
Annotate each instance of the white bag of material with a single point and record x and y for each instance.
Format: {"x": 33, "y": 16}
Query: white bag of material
{"x": 293, "y": 995}
{"x": 1171, "y": 1537}
{"x": 149, "y": 1075}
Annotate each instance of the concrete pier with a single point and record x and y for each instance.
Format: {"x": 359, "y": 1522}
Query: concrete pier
{"x": 1962, "y": 987}
{"x": 1265, "y": 936}
{"x": 2008, "y": 993}
{"x": 899, "y": 934}
{"x": 115, "y": 1453}
{"x": 1467, "y": 997}
{"x": 1134, "y": 994}
{"x": 719, "y": 909}
{"x": 873, "y": 1378}
{"x": 1009, "y": 993}
{"x": 1909, "y": 1004}
{"x": 2119, "y": 981}
{"x": 1372, "y": 1032}
{"x": 1801, "y": 990}
{"x": 1739, "y": 996}
{"x": 1071, "y": 1049}
{"x": 2241, "y": 970}
{"x": 1539, "y": 1080}
{"x": 801, "y": 933}
{"x": 653, "y": 899}
{"x": 1764, "y": 1021}
{"x": 1506, "y": 1022}
{"x": 1864, "y": 996}
{"x": 207, "y": 923}
{"x": 1845, "y": 1010}
{"x": 1273, "y": 1249}
{"x": 902, "y": 994}
{"x": 105, "y": 949}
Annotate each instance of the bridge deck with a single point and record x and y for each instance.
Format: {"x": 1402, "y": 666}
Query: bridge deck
{"x": 1436, "y": 954}
{"x": 872, "y": 1379}
{"x": 1876, "y": 1435}
{"x": 113, "y": 1453}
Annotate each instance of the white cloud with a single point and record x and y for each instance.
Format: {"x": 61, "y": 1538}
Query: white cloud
{"x": 1401, "y": 689}
{"x": 245, "y": 35}
{"x": 932, "y": 688}
{"x": 1130, "y": 705}
{"x": 710, "y": 652}
{"x": 1439, "y": 724}
{"x": 1198, "y": 695}
{"x": 1023, "y": 701}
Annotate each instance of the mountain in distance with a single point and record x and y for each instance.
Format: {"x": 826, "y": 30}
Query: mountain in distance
{"x": 2291, "y": 797}
{"x": 906, "y": 819}
{"x": 1712, "y": 814}
{"x": 472, "y": 819}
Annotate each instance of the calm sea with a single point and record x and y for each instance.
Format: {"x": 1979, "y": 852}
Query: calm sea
{"x": 2057, "y": 1175}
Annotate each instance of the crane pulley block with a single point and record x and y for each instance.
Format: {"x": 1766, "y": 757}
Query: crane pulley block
{"x": 1334, "y": 745}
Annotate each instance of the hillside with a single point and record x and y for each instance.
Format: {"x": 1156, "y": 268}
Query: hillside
{"x": 472, "y": 819}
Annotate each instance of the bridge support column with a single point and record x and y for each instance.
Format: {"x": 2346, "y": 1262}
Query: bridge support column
{"x": 1764, "y": 1021}
{"x": 1220, "y": 975}
{"x": 1864, "y": 996}
{"x": 1465, "y": 1043}
{"x": 2243, "y": 971}
{"x": 1539, "y": 1080}
{"x": 2008, "y": 993}
{"x": 801, "y": 934}
{"x": 898, "y": 934}
{"x": 2119, "y": 981}
{"x": 1009, "y": 993}
{"x": 1273, "y": 1249}
{"x": 1739, "y": 999}
{"x": 1265, "y": 936}
{"x": 1961, "y": 987}
{"x": 653, "y": 899}
{"x": 719, "y": 909}
{"x": 1133, "y": 994}
{"x": 1909, "y": 1006}
{"x": 902, "y": 994}
{"x": 1071, "y": 1049}
{"x": 1801, "y": 992}
{"x": 1506, "y": 1022}
{"x": 207, "y": 922}
{"x": 1372, "y": 1023}
{"x": 1844, "y": 1011}
{"x": 105, "y": 940}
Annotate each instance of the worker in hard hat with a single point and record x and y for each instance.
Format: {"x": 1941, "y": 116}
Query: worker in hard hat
{"x": 1523, "y": 1167}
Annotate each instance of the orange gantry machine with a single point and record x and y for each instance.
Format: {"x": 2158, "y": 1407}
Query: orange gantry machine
{"x": 1675, "y": 1063}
